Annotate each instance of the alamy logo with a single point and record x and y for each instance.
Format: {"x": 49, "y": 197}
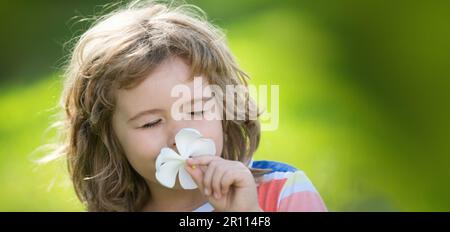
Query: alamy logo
{"x": 236, "y": 102}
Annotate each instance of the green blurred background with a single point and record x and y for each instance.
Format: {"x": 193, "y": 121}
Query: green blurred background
{"x": 364, "y": 95}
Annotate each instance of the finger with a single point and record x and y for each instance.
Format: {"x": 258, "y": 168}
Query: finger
{"x": 202, "y": 159}
{"x": 207, "y": 178}
{"x": 229, "y": 179}
{"x": 226, "y": 181}
{"x": 191, "y": 164}
{"x": 197, "y": 176}
{"x": 216, "y": 181}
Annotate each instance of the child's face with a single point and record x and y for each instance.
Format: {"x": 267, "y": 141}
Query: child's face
{"x": 142, "y": 143}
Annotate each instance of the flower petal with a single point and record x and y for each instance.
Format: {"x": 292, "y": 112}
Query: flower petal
{"x": 166, "y": 155}
{"x": 202, "y": 146}
{"x": 186, "y": 180}
{"x": 167, "y": 173}
{"x": 184, "y": 138}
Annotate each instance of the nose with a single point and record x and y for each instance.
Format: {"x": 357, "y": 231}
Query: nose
{"x": 171, "y": 139}
{"x": 174, "y": 145}
{"x": 174, "y": 126}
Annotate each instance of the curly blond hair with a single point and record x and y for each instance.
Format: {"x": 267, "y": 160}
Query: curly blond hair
{"x": 118, "y": 51}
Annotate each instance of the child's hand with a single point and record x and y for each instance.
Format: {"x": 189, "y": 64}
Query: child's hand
{"x": 229, "y": 185}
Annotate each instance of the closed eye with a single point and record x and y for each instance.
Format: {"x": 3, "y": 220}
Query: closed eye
{"x": 151, "y": 124}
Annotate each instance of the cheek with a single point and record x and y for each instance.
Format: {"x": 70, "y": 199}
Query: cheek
{"x": 212, "y": 129}
{"x": 141, "y": 148}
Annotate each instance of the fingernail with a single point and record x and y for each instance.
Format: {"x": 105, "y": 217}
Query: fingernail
{"x": 217, "y": 195}
{"x": 206, "y": 192}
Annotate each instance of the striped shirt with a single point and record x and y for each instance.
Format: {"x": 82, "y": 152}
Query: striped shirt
{"x": 285, "y": 188}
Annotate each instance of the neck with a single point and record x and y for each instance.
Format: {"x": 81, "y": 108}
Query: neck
{"x": 165, "y": 199}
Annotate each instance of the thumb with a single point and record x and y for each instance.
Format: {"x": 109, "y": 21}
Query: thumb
{"x": 196, "y": 174}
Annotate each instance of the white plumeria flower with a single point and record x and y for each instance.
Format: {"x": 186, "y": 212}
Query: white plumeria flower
{"x": 189, "y": 143}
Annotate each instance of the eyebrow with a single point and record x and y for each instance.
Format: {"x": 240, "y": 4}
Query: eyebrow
{"x": 151, "y": 111}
